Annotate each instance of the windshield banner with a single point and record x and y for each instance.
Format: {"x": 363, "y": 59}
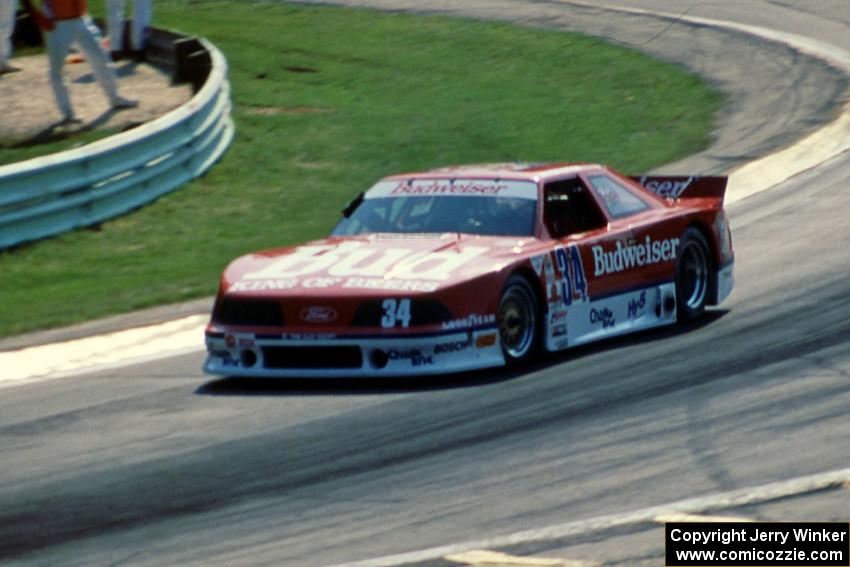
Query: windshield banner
{"x": 454, "y": 188}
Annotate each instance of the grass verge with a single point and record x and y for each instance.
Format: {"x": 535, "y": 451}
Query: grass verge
{"x": 326, "y": 100}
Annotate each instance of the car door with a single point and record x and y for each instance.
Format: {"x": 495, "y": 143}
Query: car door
{"x": 631, "y": 267}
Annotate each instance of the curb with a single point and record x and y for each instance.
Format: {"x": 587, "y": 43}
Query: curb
{"x": 152, "y": 316}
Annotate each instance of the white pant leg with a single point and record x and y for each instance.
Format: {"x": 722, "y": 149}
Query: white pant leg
{"x": 58, "y": 42}
{"x": 86, "y": 36}
{"x": 92, "y": 27}
{"x": 115, "y": 24}
{"x": 141, "y": 22}
{"x": 7, "y": 28}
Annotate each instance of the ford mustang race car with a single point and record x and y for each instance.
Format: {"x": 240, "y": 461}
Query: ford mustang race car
{"x": 475, "y": 266}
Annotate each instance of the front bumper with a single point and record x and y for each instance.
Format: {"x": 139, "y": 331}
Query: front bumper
{"x": 331, "y": 356}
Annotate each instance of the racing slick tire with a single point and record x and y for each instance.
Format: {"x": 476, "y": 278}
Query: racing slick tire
{"x": 693, "y": 274}
{"x": 518, "y": 319}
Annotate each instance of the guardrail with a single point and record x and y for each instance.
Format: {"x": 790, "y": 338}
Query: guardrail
{"x": 49, "y": 195}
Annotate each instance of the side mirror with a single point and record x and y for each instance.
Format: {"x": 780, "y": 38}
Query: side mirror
{"x": 352, "y": 206}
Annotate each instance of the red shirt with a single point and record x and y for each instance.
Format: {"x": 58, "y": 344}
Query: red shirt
{"x": 65, "y": 9}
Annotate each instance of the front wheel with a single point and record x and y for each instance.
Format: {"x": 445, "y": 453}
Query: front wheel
{"x": 517, "y": 318}
{"x": 693, "y": 272}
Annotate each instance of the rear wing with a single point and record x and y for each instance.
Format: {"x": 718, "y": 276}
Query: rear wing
{"x": 678, "y": 187}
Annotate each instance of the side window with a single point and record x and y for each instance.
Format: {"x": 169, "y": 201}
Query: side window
{"x": 570, "y": 209}
{"x": 618, "y": 200}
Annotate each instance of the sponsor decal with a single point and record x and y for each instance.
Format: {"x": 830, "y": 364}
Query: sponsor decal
{"x": 667, "y": 189}
{"x": 537, "y": 264}
{"x": 658, "y": 302}
{"x": 321, "y": 282}
{"x": 569, "y": 284}
{"x": 557, "y": 321}
{"x": 454, "y": 346}
{"x": 415, "y": 357}
{"x": 263, "y": 285}
{"x": 357, "y": 259}
{"x": 246, "y": 343}
{"x": 224, "y": 357}
{"x": 230, "y": 341}
{"x": 633, "y": 255}
{"x": 441, "y": 187}
{"x": 485, "y": 341}
{"x": 308, "y": 336}
{"x": 604, "y": 316}
{"x": 389, "y": 285}
{"x": 453, "y": 188}
{"x": 318, "y": 314}
{"x": 473, "y": 320}
{"x": 396, "y": 312}
{"x": 552, "y": 287}
{"x": 610, "y": 196}
{"x": 636, "y": 306}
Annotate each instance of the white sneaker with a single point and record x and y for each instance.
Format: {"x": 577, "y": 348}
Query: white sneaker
{"x": 70, "y": 119}
{"x": 121, "y": 103}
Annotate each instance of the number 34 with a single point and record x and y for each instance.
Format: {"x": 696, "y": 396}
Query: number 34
{"x": 395, "y": 312}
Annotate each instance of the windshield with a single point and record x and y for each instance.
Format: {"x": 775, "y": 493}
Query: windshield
{"x": 470, "y": 206}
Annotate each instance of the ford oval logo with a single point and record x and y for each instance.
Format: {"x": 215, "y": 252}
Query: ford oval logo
{"x": 318, "y": 314}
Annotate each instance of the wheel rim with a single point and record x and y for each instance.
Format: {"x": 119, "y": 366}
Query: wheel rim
{"x": 517, "y": 321}
{"x": 693, "y": 269}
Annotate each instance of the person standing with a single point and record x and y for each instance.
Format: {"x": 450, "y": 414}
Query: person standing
{"x": 7, "y": 28}
{"x": 138, "y": 26}
{"x": 67, "y": 21}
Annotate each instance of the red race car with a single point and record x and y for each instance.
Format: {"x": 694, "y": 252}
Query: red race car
{"x": 476, "y": 266}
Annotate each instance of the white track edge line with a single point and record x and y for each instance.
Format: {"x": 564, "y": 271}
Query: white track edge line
{"x": 721, "y": 500}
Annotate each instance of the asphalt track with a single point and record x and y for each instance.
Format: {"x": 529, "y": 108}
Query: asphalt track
{"x": 156, "y": 464}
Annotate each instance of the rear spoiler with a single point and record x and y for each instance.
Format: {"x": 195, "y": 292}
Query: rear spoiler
{"x": 678, "y": 187}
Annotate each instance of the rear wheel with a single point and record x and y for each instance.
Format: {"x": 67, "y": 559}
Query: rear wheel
{"x": 693, "y": 273}
{"x": 517, "y": 318}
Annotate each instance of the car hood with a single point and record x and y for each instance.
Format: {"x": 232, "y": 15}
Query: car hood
{"x": 373, "y": 264}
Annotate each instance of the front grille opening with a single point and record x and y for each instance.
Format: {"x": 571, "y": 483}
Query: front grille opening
{"x": 312, "y": 357}
{"x": 258, "y": 312}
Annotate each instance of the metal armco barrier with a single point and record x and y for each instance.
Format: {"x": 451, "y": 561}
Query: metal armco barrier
{"x": 88, "y": 185}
